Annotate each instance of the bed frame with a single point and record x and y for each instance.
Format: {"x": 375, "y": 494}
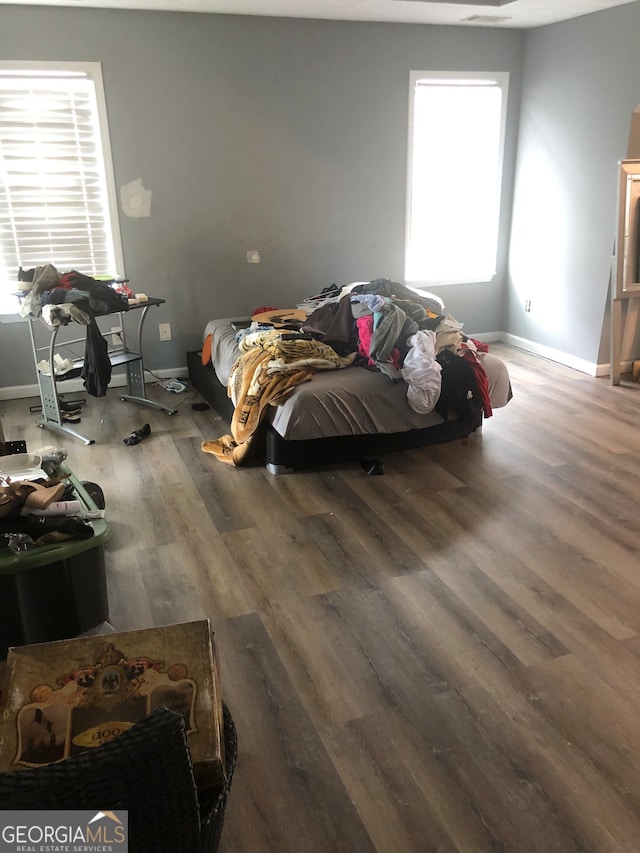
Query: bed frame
{"x": 283, "y": 456}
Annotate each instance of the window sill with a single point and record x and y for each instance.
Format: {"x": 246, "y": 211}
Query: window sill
{"x": 428, "y": 285}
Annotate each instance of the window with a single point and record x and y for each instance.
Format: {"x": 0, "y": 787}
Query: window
{"x": 456, "y": 140}
{"x": 57, "y": 203}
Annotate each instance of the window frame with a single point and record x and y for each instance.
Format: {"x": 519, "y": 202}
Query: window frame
{"x": 93, "y": 72}
{"x": 501, "y": 80}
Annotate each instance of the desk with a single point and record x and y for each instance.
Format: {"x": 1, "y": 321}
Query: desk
{"x": 54, "y": 591}
{"x": 121, "y": 355}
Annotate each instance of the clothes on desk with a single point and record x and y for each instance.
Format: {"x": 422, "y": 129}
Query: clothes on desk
{"x": 72, "y": 296}
{"x": 62, "y": 315}
{"x": 103, "y": 299}
{"x": 48, "y": 286}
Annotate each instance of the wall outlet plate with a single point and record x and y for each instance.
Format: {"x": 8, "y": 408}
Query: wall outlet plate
{"x": 165, "y": 331}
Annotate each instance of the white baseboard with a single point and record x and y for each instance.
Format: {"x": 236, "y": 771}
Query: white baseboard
{"x": 16, "y": 392}
{"x": 581, "y": 364}
{"x": 118, "y": 380}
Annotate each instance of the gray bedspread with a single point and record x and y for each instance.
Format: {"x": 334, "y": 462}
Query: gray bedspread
{"x": 352, "y": 401}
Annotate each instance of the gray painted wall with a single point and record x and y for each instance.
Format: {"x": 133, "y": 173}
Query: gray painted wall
{"x": 581, "y": 82}
{"x": 285, "y": 136}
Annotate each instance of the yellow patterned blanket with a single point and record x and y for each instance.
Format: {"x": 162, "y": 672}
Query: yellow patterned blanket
{"x": 271, "y": 365}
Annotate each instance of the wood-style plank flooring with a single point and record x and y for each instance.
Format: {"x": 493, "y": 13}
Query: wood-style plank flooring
{"x": 442, "y": 658}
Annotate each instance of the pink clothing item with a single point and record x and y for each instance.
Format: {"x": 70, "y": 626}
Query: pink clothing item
{"x": 365, "y": 333}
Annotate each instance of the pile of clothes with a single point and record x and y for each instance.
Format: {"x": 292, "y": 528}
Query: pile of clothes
{"x": 24, "y": 522}
{"x": 407, "y": 336}
{"x": 60, "y": 298}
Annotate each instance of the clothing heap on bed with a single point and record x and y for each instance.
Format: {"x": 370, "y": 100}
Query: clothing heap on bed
{"x": 380, "y": 326}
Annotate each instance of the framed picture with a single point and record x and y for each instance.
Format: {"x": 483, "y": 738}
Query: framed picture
{"x": 628, "y": 238}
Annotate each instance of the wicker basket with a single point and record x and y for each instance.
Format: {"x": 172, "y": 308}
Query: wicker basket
{"x": 212, "y": 810}
{"x": 147, "y": 771}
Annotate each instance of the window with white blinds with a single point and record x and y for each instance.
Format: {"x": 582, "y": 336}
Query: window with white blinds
{"x": 57, "y": 202}
{"x": 456, "y": 139}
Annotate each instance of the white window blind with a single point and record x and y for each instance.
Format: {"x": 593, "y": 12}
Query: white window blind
{"x": 54, "y": 194}
{"x": 456, "y": 140}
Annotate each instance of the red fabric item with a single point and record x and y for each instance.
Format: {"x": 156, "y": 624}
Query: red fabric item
{"x": 125, "y": 290}
{"x": 480, "y": 345}
{"x": 481, "y": 381}
{"x": 67, "y": 281}
{"x": 263, "y": 309}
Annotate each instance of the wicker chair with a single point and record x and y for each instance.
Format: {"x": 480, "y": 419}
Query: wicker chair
{"x": 146, "y": 770}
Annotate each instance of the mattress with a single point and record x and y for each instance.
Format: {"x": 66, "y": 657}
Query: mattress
{"x": 348, "y": 402}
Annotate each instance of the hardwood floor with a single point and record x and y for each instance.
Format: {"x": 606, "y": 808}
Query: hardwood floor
{"x": 443, "y": 658}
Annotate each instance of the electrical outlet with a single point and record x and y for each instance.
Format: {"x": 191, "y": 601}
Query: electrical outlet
{"x": 527, "y": 305}
{"x": 165, "y": 331}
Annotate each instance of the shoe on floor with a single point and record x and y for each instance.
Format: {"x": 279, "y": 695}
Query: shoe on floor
{"x": 138, "y": 434}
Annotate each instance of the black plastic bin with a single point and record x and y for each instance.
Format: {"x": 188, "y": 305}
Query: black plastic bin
{"x": 54, "y": 592}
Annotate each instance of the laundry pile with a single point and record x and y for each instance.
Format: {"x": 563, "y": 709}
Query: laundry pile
{"x": 405, "y": 335}
{"x": 36, "y": 508}
{"x": 60, "y": 298}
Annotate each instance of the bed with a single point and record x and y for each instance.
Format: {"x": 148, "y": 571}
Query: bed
{"x": 353, "y": 413}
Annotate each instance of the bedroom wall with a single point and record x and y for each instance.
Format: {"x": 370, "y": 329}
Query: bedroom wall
{"x": 581, "y": 82}
{"x": 284, "y": 136}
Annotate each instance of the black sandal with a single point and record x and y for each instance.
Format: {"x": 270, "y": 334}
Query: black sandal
{"x": 138, "y": 434}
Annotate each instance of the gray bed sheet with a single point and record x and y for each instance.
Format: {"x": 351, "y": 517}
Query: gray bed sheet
{"x": 351, "y": 401}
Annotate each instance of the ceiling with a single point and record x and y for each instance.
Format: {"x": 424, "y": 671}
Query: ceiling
{"x": 492, "y": 13}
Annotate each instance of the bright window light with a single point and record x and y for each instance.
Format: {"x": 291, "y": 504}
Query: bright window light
{"x": 456, "y": 140}
{"x": 57, "y": 203}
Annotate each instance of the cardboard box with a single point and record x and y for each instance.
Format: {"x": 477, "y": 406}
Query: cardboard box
{"x": 64, "y": 697}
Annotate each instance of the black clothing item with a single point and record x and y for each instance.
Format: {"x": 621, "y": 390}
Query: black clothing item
{"x": 431, "y": 323}
{"x": 459, "y": 392}
{"x": 335, "y": 325}
{"x": 102, "y": 298}
{"x": 39, "y": 525}
{"x": 96, "y": 370}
